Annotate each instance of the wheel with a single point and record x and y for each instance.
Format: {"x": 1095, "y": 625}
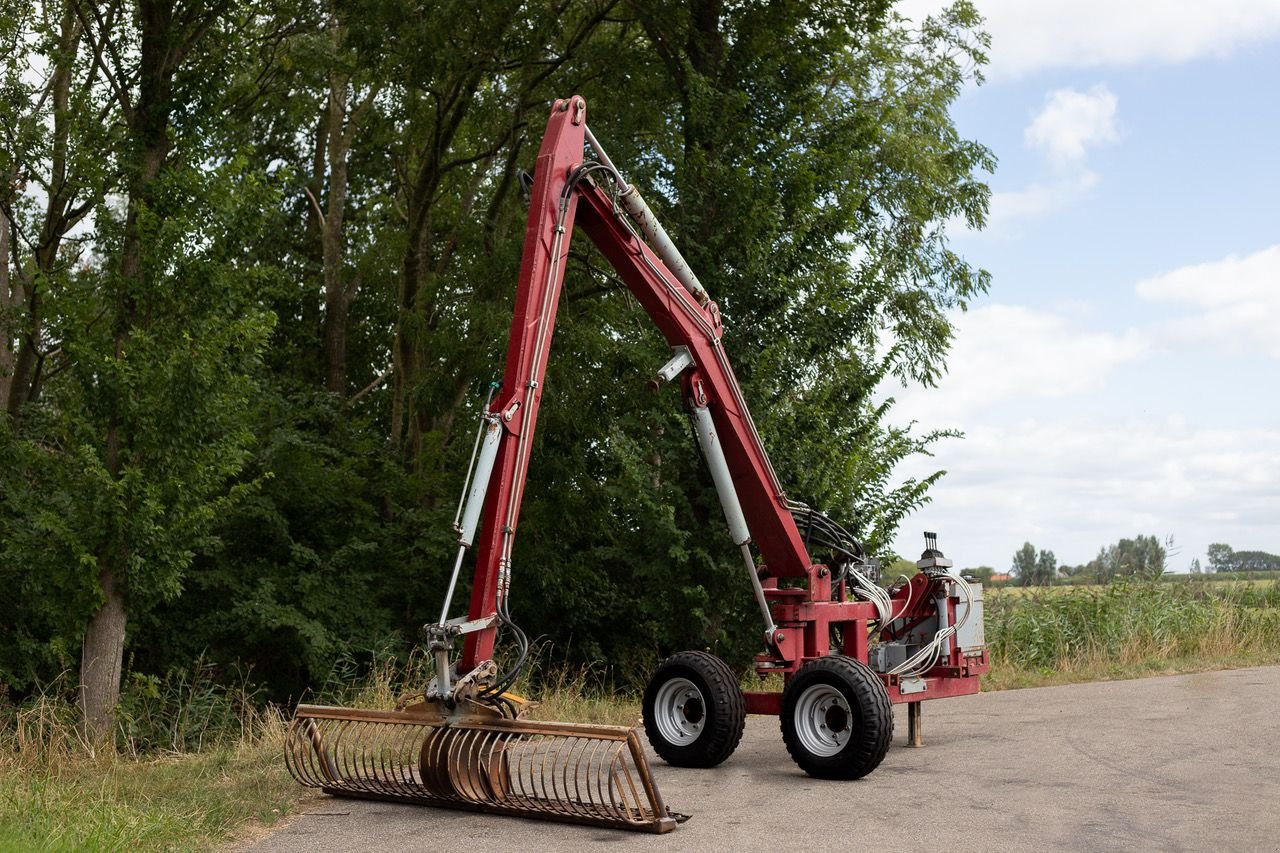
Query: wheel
{"x": 694, "y": 712}
{"x": 837, "y": 721}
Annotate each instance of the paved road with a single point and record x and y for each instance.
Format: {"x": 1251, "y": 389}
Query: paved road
{"x": 1176, "y": 763}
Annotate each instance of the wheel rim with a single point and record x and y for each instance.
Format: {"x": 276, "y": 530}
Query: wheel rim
{"x": 680, "y": 711}
{"x": 823, "y": 720}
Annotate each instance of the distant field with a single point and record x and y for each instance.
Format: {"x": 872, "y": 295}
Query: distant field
{"x": 1214, "y": 580}
{"x": 1060, "y": 634}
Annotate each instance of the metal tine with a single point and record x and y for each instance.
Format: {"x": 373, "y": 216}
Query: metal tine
{"x": 546, "y": 776}
{"x": 617, "y": 805}
{"x": 544, "y": 748}
{"x": 469, "y": 782}
{"x": 583, "y": 774}
{"x": 521, "y": 790}
{"x": 559, "y": 767}
{"x": 602, "y": 800}
{"x": 401, "y": 760}
{"x": 438, "y": 764}
{"x": 624, "y": 770}
{"x": 571, "y": 798}
{"x": 525, "y": 785}
{"x": 571, "y": 761}
{"x": 492, "y": 756}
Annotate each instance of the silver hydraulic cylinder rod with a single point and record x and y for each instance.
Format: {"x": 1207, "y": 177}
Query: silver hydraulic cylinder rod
{"x": 714, "y": 453}
{"x": 639, "y": 211}
{"x": 738, "y": 530}
{"x": 475, "y": 503}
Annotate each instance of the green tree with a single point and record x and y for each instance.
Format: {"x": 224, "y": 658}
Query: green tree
{"x": 1142, "y": 556}
{"x": 1221, "y": 558}
{"x": 1024, "y": 564}
{"x": 124, "y": 456}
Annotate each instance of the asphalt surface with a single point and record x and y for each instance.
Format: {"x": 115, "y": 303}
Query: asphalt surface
{"x": 1186, "y": 762}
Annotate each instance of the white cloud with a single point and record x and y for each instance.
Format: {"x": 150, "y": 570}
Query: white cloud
{"x": 1069, "y": 123}
{"x": 1236, "y": 302}
{"x": 1074, "y": 487}
{"x": 1010, "y": 207}
{"x": 1033, "y": 36}
{"x": 1006, "y": 352}
{"x": 1072, "y": 121}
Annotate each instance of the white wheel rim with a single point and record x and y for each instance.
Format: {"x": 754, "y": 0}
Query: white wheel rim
{"x": 680, "y": 711}
{"x": 823, "y": 720}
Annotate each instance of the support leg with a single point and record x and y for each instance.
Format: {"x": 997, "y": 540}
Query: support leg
{"x": 914, "y": 733}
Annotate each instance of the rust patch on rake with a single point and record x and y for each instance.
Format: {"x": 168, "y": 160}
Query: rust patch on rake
{"x": 570, "y": 772}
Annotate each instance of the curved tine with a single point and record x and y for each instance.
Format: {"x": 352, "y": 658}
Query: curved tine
{"x": 600, "y": 801}
{"x": 315, "y": 735}
{"x": 572, "y": 802}
{"x": 314, "y": 761}
{"x": 338, "y": 752}
{"x": 459, "y": 772}
{"x": 547, "y": 800}
{"x": 412, "y": 773}
{"x": 561, "y": 802}
{"x": 514, "y": 748}
{"x": 497, "y": 772}
{"x": 435, "y": 766}
{"x": 617, "y": 792}
{"x": 407, "y": 748}
{"x": 457, "y": 767}
{"x": 462, "y": 769}
{"x": 544, "y": 747}
{"x": 319, "y": 765}
{"x": 489, "y": 767}
{"x": 290, "y": 757}
{"x": 624, "y": 772}
{"x": 528, "y": 747}
{"x": 292, "y": 760}
{"x": 517, "y": 746}
{"x": 389, "y": 742}
{"x": 581, "y": 746}
{"x": 360, "y": 752}
{"x": 582, "y": 774}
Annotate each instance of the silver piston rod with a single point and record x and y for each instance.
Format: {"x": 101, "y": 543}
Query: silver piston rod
{"x": 469, "y": 513}
{"x": 639, "y": 211}
{"x": 729, "y": 502}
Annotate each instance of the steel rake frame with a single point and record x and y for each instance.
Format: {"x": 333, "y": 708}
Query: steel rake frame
{"x": 570, "y": 772}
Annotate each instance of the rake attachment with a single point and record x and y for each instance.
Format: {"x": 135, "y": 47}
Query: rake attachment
{"x": 569, "y": 772}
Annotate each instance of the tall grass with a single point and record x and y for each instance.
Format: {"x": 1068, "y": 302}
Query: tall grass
{"x": 194, "y": 761}
{"x": 1129, "y": 627}
{"x": 579, "y": 694}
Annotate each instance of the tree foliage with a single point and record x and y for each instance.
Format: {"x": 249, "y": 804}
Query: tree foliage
{"x": 256, "y": 272}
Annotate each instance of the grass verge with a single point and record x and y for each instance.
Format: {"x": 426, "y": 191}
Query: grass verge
{"x": 55, "y": 794}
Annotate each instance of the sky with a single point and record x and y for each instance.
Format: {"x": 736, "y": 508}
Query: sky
{"x": 1120, "y": 377}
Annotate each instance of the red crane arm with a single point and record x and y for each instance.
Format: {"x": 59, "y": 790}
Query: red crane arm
{"x": 562, "y": 191}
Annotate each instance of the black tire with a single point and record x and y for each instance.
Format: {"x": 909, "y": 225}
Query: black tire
{"x": 694, "y": 711}
{"x": 837, "y": 721}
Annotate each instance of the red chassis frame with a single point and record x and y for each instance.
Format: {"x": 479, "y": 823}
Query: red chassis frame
{"x": 804, "y": 610}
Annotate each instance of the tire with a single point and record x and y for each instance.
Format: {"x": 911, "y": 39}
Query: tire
{"x": 694, "y": 712}
{"x": 837, "y": 721}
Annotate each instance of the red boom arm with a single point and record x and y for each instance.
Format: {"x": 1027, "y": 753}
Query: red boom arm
{"x": 556, "y": 198}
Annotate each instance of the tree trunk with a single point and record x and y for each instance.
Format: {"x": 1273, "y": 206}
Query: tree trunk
{"x": 102, "y": 655}
{"x": 102, "y": 661}
{"x": 336, "y": 299}
{"x": 7, "y": 305}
